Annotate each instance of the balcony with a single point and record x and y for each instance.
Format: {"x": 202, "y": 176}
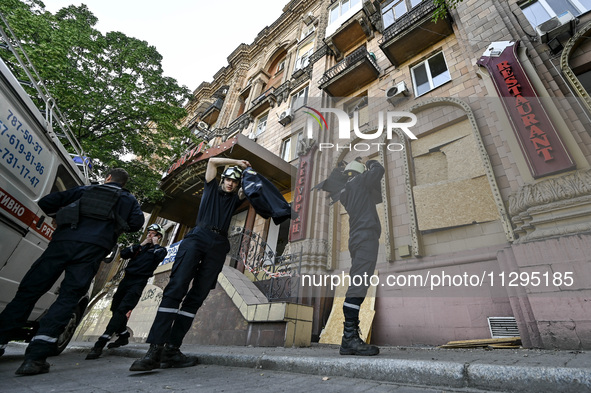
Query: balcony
{"x": 350, "y": 33}
{"x": 262, "y": 102}
{"x": 211, "y": 114}
{"x": 414, "y": 32}
{"x": 352, "y": 73}
{"x": 240, "y": 123}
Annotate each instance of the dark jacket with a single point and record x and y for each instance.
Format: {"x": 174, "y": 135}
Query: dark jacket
{"x": 144, "y": 259}
{"x": 362, "y": 194}
{"x": 264, "y": 197}
{"x": 100, "y": 232}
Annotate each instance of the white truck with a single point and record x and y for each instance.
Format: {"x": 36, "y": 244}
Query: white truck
{"x": 33, "y": 163}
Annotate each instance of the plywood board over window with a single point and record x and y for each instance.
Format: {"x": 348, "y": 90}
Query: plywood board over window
{"x": 451, "y": 188}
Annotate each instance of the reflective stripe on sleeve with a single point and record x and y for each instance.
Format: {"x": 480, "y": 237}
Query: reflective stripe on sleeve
{"x": 44, "y": 338}
{"x": 356, "y": 307}
{"x": 168, "y": 310}
{"x": 186, "y": 314}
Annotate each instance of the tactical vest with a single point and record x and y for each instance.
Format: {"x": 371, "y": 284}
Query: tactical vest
{"x": 97, "y": 202}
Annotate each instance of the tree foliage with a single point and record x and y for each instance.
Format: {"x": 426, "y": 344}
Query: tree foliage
{"x": 110, "y": 87}
{"x": 443, "y": 6}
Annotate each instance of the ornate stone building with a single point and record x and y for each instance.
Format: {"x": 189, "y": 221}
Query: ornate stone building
{"x": 486, "y": 213}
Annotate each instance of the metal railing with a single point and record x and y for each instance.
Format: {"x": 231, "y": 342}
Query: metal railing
{"x": 276, "y": 276}
{"x": 427, "y": 7}
{"x": 241, "y": 122}
{"x": 263, "y": 95}
{"x": 324, "y": 50}
{"x": 359, "y": 54}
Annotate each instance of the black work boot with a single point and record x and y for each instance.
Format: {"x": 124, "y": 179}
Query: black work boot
{"x": 150, "y": 361}
{"x": 172, "y": 357}
{"x": 352, "y": 344}
{"x": 97, "y": 350}
{"x": 33, "y": 367}
{"x": 122, "y": 340}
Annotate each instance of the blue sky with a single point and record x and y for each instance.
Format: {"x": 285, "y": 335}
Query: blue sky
{"x": 194, "y": 37}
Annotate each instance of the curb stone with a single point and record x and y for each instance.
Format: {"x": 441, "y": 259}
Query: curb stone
{"x": 434, "y": 373}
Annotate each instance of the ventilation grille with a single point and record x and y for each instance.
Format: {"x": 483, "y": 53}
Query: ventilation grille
{"x": 503, "y": 327}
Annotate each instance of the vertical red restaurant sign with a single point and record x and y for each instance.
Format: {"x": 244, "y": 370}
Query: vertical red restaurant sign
{"x": 540, "y": 143}
{"x": 301, "y": 197}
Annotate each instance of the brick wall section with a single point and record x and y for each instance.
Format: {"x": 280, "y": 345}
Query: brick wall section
{"x": 219, "y": 322}
{"x": 421, "y": 316}
{"x": 556, "y": 315}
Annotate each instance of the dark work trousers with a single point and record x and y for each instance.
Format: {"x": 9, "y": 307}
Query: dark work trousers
{"x": 364, "y": 256}
{"x": 126, "y": 297}
{"x": 80, "y": 262}
{"x": 200, "y": 258}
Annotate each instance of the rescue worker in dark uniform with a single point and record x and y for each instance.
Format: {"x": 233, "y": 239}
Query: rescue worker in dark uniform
{"x": 75, "y": 249}
{"x": 200, "y": 259}
{"x": 361, "y": 194}
{"x": 144, "y": 258}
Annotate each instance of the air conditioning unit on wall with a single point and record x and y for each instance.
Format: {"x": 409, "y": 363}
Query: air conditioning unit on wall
{"x": 553, "y": 27}
{"x": 394, "y": 93}
{"x": 203, "y": 124}
{"x": 285, "y": 117}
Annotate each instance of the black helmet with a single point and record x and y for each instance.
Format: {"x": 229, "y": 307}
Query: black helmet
{"x": 156, "y": 228}
{"x": 232, "y": 172}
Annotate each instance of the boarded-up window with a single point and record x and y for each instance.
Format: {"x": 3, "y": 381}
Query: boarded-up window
{"x": 451, "y": 187}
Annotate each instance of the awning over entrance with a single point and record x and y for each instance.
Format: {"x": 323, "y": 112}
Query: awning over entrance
{"x": 183, "y": 184}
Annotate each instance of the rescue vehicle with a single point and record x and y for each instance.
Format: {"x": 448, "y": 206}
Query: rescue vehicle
{"x": 33, "y": 163}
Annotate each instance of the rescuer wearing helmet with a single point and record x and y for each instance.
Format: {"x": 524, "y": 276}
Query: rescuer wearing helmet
{"x": 199, "y": 259}
{"x": 144, "y": 258}
{"x": 360, "y": 196}
{"x": 233, "y": 174}
{"x": 89, "y": 221}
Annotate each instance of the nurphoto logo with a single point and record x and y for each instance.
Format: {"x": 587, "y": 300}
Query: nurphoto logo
{"x": 391, "y": 120}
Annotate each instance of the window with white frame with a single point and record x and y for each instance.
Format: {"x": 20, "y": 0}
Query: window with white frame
{"x": 339, "y": 8}
{"x": 304, "y": 53}
{"x": 307, "y": 30}
{"x": 430, "y": 74}
{"x": 539, "y": 11}
{"x": 299, "y": 138}
{"x": 299, "y": 99}
{"x": 396, "y": 9}
{"x": 261, "y": 125}
{"x": 286, "y": 150}
{"x": 289, "y": 147}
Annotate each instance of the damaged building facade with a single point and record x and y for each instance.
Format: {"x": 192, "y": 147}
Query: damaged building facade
{"x": 486, "y": 214}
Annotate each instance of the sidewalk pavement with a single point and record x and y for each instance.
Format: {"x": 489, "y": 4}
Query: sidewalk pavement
{"x": 499, "y": 370}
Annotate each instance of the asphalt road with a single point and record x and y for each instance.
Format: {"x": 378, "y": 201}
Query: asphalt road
{"x": 70, "y": 372}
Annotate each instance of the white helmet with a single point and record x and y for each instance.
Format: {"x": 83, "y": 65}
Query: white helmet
{"x": 233, "y": 172}
{"x": 354, "y": 168}
{"x": 156, "y": 228}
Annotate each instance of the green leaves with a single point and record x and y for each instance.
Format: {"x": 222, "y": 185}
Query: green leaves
{"x": 442, "y": 8}
{"x": 110, "y": 87}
